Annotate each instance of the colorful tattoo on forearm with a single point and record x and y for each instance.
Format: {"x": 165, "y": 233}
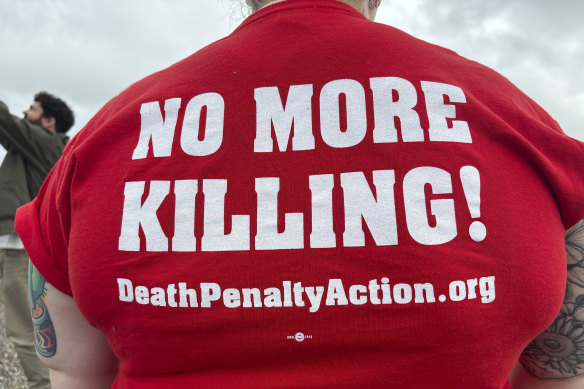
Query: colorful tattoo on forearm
{"x": 44, "y": 333}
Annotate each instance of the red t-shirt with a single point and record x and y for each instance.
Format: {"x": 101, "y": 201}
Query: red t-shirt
{"x": 314, "y": 201}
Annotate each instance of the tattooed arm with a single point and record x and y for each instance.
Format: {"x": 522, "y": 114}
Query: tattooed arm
{"x": 555, "y": 359}
{"x": 76, "y": 353}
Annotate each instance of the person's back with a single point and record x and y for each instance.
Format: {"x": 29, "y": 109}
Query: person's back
{"x": 316, "y": 201}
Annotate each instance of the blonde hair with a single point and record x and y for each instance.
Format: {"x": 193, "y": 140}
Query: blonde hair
{"x": 255, "y": 5}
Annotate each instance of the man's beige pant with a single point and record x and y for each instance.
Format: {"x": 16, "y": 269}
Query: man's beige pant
{"x": 14, "y": 269}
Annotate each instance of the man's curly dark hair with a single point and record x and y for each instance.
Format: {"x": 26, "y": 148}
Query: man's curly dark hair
{"x": 56, "y": 108}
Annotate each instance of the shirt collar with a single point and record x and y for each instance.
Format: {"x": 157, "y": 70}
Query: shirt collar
{"x": 298, "y": 4}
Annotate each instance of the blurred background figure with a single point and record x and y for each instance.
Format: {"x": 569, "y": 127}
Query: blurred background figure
{"x": 33, "y": 145}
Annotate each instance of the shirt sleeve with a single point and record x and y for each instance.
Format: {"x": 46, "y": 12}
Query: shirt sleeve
{"x": 564, "y": 160}
{"x": 574, "y": 199}
{"x": 44, "y": 225}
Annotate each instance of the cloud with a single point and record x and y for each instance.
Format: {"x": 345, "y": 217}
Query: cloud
{"x": 87, "y": 51}
{"x": 536, "y": 44}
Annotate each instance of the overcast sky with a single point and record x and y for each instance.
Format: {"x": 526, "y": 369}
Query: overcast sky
{"x": 87, "y": 51}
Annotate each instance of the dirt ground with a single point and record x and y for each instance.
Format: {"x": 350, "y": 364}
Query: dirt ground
{"x": 11, "y": 376}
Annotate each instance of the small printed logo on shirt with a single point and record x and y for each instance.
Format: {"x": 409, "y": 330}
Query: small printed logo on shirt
{"x": 299, "y": 337}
